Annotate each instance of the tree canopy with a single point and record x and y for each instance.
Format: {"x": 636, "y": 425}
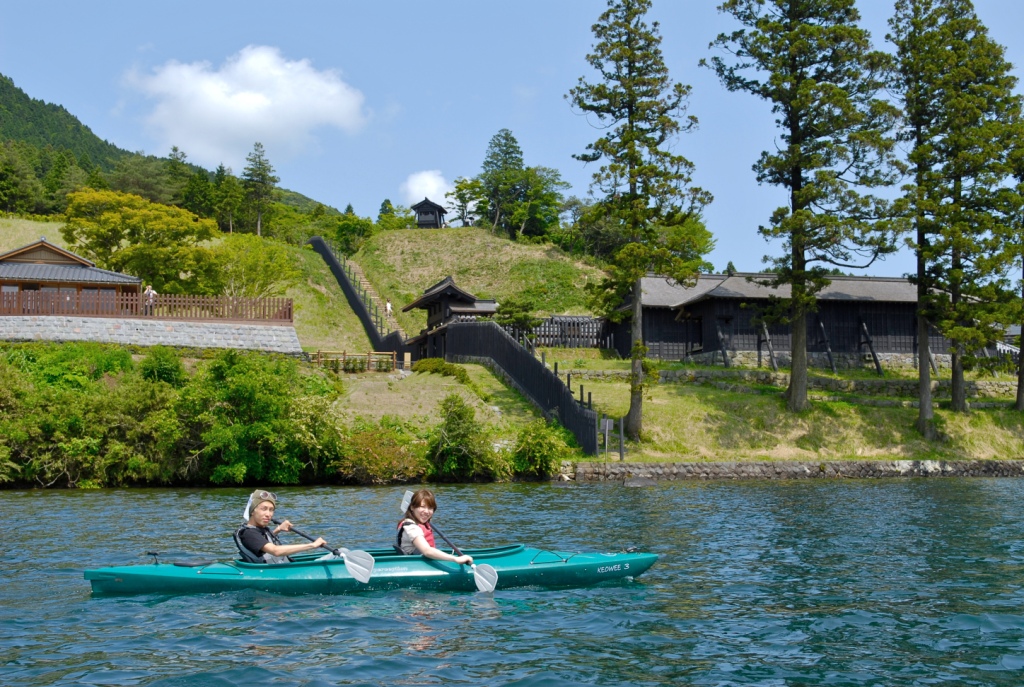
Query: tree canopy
{"x": 644, "y": 187}
{"x": 158, "y": 243}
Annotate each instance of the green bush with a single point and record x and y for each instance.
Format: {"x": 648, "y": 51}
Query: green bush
{"x": 380, "y": 453}
{"x": 539, "y": 450}
{"x": 459, "y": 449}
{"x": 162, "y": 364}
{"x": 440, "y": 367}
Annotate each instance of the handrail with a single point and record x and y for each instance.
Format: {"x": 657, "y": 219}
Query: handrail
{"x": 133, "y": 305}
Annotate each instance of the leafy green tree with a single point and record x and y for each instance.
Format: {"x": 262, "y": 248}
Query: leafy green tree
{"x": 228, "y": 195}
{"x": 198, "y": 195}
{"x": 501, "y": 179}
{"x": 253, "y": 267}
{"x": 349, "y": 230}
{"x": 386, "y": 208}
{"x": 178, "y": 174}
{"x": 400, "y": 217}
{"x": 468, "y": 198}
{"x": 159, "y": 243}
{"x": 817, "y": 68}
{"x": 20, "y": 190}
{"x": 259, "y": 182}
{"x": 144, "y": 176}
{"x": 645, "y": 187}
{"x": 963, "y": 126}
{"x": 459, "y": 450}
{"x": 517, "y": 312}
{"x": 536, "y": 210}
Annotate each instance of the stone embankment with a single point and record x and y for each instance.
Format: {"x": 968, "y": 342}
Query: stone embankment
{"x": 864, "y": 387}
{"x": 143, "y": 332}
{"x": 647, "y": 473}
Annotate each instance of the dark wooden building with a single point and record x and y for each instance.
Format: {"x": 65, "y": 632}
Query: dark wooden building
{"x": 429, "y": 215}
{"x": 858, "y": 318}
{"x": 444, "y": 302}
{"x": 42, "y": 278}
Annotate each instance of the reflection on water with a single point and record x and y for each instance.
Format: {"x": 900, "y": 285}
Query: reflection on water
{"x": 902, "y": 582}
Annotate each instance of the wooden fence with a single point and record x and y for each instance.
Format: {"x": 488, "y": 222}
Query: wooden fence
{"x": 342, "y": 361}
{"x": 75, "y": 303}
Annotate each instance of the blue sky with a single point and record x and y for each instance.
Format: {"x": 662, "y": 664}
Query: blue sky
{"x": 360, "y": 101}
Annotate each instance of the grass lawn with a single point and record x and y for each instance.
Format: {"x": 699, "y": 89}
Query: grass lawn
{"x": 416, "y": 399}
{"x": 15, "y": 233}
{"x": 688, "y": 422}
{"x": 401, "y": 264}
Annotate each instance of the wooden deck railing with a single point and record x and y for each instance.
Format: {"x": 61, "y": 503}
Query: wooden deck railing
{"x": 165, "y": 307}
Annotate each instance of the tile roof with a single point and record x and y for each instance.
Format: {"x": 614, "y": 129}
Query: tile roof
{"x": 665, "y": 293}
{"x": 80, "y": 274}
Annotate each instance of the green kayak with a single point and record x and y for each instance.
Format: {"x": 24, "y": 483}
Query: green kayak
{"x": 516, "y": 566}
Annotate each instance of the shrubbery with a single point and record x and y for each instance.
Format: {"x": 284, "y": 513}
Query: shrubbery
{"x": 88, "y": 415}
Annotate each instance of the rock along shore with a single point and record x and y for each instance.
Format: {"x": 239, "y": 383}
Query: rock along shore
{"x": 644, "y": 473}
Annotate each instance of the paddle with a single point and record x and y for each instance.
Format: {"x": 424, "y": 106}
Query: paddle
{"x": 485, "y": 576}
{"x": 358, "y": 563}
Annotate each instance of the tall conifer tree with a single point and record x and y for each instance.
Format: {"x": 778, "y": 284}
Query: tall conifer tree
{"x": 644, "y": 187}
{"x": 816, "y": 67}
{"x": 963, "y": 123}
{"x": 259, "y": 181}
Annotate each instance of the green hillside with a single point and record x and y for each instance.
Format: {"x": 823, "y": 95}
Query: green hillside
{"x": 401, "y": 264}
{"x": 42, "y": 124}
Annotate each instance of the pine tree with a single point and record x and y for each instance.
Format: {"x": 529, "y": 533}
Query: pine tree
{"x": 964, "y": 121}
{"x": 501, "y": 177}
{"x": 259, "y": 181}
{"x": 816, "y": 67}
{"x": 644, "y": 187}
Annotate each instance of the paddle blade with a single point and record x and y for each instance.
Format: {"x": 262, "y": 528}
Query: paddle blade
{"x": 359, "y": 565}
{"x": 406, "y": 500}
{"x": 486, "y": 577}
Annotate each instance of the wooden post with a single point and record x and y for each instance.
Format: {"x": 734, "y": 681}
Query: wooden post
{"x": 556, "y": 368}
{"x": 590, "y": 400}
{"x": 581, "y": 394}
{"x": 622, "y": 439}
{"x": 568, "y": 381}
{"x": 544, "y": 358}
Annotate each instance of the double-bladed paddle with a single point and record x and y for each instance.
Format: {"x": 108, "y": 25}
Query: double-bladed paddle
{"x": 485, "y": 576}
{"x": 358, "y": 563}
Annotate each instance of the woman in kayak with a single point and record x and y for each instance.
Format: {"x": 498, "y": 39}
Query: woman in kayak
{"x": 257, "y": 541}
{"x": 415, "y": 534}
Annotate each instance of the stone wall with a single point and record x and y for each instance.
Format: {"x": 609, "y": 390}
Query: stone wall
{"x": 144, "y": 332}
{"x": 762, "y": 377}
{"x": 643, "y": 473}
{"x": 843, "y": 361}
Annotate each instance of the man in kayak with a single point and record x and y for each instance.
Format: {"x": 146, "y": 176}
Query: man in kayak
{"x": 257, "y": 542}
{"x": 415, "y": 534}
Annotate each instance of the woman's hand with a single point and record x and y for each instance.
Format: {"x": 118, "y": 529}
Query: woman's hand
{"x": 285, "y": 526}
{"x": 464, "y": 560}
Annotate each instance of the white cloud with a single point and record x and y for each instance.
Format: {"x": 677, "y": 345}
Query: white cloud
{"x": 429, "y": 183}
{"x": 216, "y": 114}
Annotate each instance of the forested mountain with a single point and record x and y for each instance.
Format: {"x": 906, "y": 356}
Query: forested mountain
{"x": 42, "y": 124}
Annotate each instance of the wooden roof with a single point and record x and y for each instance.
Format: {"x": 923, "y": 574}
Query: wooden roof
{"x": 44, "y": 252}
{"x": 427, "y": 204}
{"x": 445, "y": 286}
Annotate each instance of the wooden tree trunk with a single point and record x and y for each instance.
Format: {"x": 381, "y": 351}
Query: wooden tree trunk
{"x": 634, "y": 418}
{"x": 925, "y": 415}
{"x": 796, "y": 395}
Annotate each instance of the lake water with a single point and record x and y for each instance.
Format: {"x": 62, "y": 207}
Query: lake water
{"x": 903, "y": 582}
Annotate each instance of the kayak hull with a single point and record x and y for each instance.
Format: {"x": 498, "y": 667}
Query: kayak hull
{"x": 516, "y": 565}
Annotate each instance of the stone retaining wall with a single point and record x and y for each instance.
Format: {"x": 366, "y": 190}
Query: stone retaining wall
{"x": 865, "y": 387}
{"x": 640, "y": 473}
{"x": 144, "y": 332}
{"x": 816, "y": 359}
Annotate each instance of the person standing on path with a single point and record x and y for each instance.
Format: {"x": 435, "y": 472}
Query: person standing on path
{"x": 387, "y": 308}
